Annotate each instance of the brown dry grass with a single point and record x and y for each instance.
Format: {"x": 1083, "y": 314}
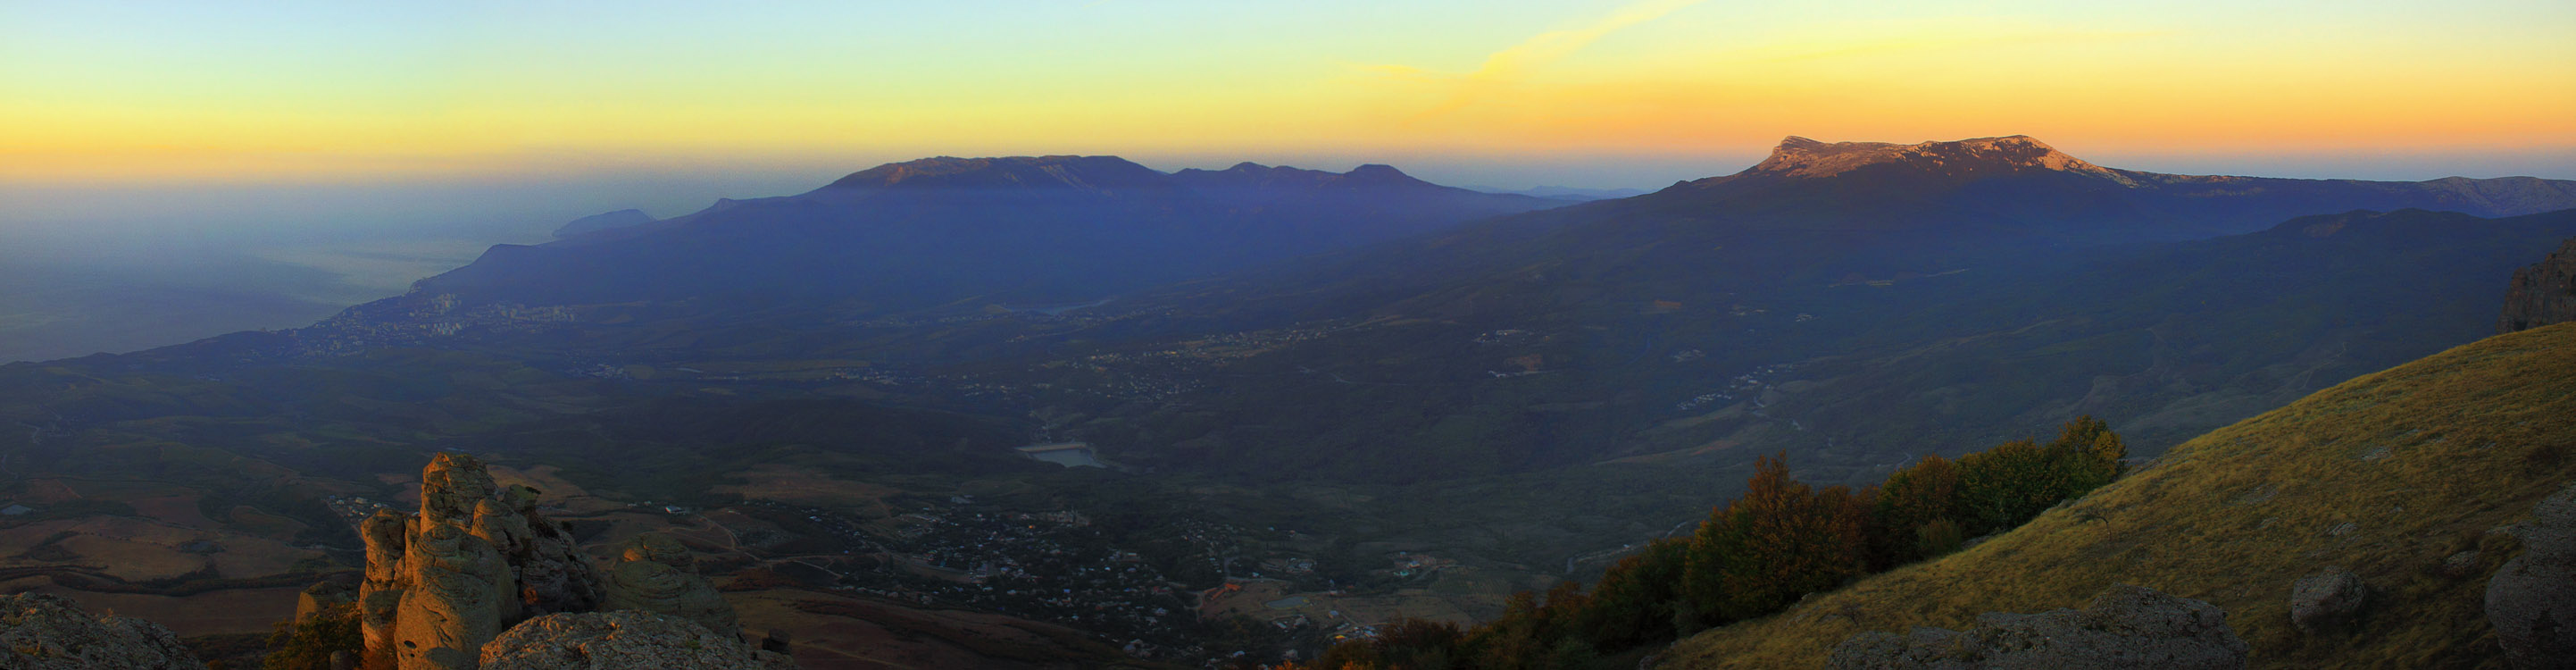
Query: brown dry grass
{"x": 807, "y": 486}
{"x": 884, "y": 635}
{"x": 209, "y": 613}
{"x": 132, "y": 561}
{"x": 250, "y": 520}
{"x": 178, "y": 509}
{"x": 2234, "y": 516}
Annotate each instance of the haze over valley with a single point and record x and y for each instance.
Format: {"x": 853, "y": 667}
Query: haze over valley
{"x": 1357, "y": 336}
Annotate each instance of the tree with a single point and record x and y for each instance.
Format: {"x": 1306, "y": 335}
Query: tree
{"x": 2006, "y": 485}
{"x": 1633, "y": 603}
{"x": 1779, "y": 541}
{"x": 2089, "y": 454}
{"x": 1913, "y": 498}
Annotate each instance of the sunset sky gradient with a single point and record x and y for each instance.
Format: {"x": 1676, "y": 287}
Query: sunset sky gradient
{"x": 289, "y": 92}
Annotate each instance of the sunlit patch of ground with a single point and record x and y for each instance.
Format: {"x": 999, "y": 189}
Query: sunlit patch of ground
{"x": 805, "y": 486}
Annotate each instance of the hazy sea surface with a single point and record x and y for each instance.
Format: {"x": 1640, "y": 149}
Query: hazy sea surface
{"x": 74, "y": 305}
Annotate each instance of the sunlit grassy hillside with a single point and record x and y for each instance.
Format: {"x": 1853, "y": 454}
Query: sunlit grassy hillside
{"x": 2386, "y": 474}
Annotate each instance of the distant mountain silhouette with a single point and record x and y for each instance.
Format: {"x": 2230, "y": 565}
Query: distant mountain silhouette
{"x": 1816, "y": 213}
{"x": 2019, "y": 185}
{"x": 928, "y": 232}
{"x": 1566, "y": 193}
{"x": 624, "y": 218}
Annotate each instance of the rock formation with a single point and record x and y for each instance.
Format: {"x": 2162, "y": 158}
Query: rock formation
{"x": 336, "y": 590}
{"x": 42, "y": 632}
{"x": 476, "y": 559}
{"x": 655, "y": 574}
{"x": 2124, "y": 627}
{"x": 607, "y": 640}
{"x": 2531, "y": 600}
{"x": 2327, "y": 599}
{"x": 2542, "y": 294}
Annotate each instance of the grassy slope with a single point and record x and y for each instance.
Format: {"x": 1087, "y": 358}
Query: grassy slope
{"x": 2473, "y": 437}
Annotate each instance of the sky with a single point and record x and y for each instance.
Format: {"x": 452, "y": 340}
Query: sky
{"x": 296, "y": 156}
{"x": 664, "y": 105}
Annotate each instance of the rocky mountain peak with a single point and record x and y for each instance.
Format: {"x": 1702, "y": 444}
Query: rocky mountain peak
{"x": 2542, "y": 294}
{"x": 1377, "y": 172}
{"x": 1803, "y": 157}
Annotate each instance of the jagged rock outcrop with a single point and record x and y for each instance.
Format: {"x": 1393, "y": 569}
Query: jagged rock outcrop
{"x": 2124, "y": 627}
{"x": 475, "y": 560}
{"x": 2531, "y": 600}
{"x": 2323, "y": 601}
{"x": 43, "y": 632}
{"x": 2542, "y": 294}
{"x": 656, "y": 574}
{"x": 625, "y": 639}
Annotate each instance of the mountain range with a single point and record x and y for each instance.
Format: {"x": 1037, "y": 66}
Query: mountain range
{"x": 929, "y": 232}
{"x": 1269, "y": 363}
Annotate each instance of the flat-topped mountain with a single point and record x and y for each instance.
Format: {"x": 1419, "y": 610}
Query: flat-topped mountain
{"x": 2019, "y": 186}
{"x": 1802, "y": 157}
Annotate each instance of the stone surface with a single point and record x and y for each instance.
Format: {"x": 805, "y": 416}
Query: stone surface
{"x": 42, "y": 632}
{"x": 627, "y": 639}
{"x": 2531, "y": 600}
{"x": 2326, "y": 600}
{"x": 655, "y": 573}
{"x": 2461, "y": 564}
{"x": 2124, "y": 627}
{"x": 457, "y": 585}
{"x": 2542, "y": 294}
{"x": 476, "y": 559}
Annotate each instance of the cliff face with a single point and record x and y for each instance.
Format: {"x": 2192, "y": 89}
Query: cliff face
{"x": 2542, "y": 294}
{"x": 448, "y": 588}
{"x": 476, "y": 559}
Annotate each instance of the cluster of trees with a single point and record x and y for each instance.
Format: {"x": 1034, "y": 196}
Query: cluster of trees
{"x": 1777, "y": 543}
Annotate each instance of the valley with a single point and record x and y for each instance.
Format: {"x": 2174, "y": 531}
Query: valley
{"x": 1341, "y": 432}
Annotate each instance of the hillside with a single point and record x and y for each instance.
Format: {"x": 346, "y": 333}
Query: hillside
{"x": 2387, "y": 475}
{"x": 2154, "y": 338}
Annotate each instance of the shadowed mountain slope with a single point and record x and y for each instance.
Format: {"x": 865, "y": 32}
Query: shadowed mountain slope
{"x": 1546, "y": 366}
{"x": 928, "y": 232}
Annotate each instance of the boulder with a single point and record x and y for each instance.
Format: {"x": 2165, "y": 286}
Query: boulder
{"x": 655, "y": 573}
{"x": 43, "y": 632}
{"x": 629, "y": 639}
{"x": 2123, "y": 627}
{"x": 2462, "y": 564}
{"x": 2328, "y": 599}
{"x": 2531, "y": 600}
